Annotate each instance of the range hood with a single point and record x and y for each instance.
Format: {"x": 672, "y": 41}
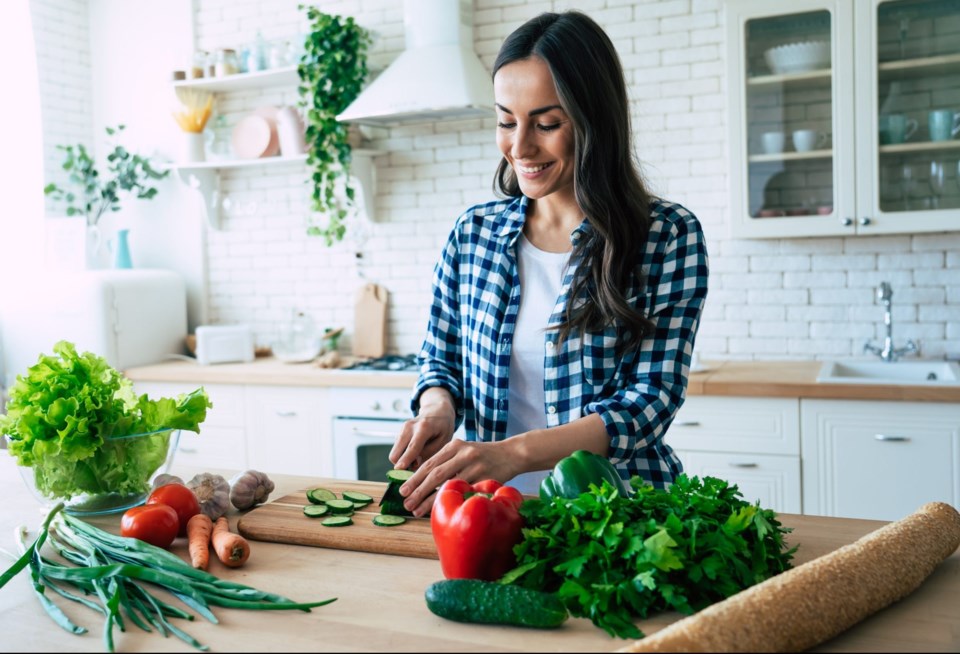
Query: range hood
{"x": 437, "y": 77}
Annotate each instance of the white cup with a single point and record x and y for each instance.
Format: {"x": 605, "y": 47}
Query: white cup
{"x": 805, "y": 140}
{"x": 773, "y": 142}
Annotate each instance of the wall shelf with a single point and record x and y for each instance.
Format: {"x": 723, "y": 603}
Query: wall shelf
{"x": 205, "y": 178}
{"x": 286, "y": 76}
{"x": 791, "y": 156}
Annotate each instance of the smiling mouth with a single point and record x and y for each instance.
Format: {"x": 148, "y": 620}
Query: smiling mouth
{"x": 532, "y": 170}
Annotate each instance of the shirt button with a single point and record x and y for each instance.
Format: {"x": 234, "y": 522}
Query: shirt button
{"x": 549, "y": 345}
{"x": 502, "y": 404}
{"x": 551, "y": 409}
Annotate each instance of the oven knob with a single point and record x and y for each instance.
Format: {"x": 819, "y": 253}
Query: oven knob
{"x": 399, "y": 405}
{"x": 375, "y": 406}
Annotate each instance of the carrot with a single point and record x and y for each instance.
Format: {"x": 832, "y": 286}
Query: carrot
{"x": 199, "y": 528}
{"x": 232, "y": 549}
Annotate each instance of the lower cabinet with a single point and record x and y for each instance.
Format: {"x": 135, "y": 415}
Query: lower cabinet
{"x": 274, "y": 429}
{"x": 878, "y": 460}
{"x": 222, "y": 442}
{"x": 771, "y": 479}
{"x": 285, "y": 430}
{"x": 753, "y": 442}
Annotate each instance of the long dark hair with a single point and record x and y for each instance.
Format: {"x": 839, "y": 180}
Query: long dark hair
{"x": 590, "y": 84}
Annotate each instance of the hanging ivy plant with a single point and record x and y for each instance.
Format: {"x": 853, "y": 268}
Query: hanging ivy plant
{"x": 332, "y": 71}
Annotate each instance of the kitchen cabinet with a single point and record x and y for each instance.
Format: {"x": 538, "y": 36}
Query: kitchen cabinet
{"x": 752, "y": 442}
{"x": 222, "y": 442}
{"x": 878, "y": 460}
{"x": 275, "y": 429}
{"x": 862, "y": 79}
{"x": 286, "y": 427}
{"x": 205, "y": 177}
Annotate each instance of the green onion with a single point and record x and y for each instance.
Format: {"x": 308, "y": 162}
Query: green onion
{"x": 117, "y": 571}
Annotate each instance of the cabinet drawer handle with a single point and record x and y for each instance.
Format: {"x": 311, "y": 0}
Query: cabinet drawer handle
{"x": 376, "y": 434}
{"x": 188, "y": 450}
{"x": 735, "y": 464}
{"x": 892, "y": 439}
{"x": 688, "y": 423}
{"x": 286, "y": 414}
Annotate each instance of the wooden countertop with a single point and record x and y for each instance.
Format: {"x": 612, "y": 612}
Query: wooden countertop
{"x": 271, "y": 372}
{"x": 731, "y": 378}
{"x": 380, "y": 604}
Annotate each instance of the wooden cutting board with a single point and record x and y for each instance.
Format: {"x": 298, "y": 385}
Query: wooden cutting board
{"x": 282, "y": 521}
{"x": 370, "y": 321}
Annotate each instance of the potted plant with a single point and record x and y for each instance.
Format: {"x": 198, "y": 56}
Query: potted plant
{"x": 332, "y": 72}
{"x": 91, "y": 194}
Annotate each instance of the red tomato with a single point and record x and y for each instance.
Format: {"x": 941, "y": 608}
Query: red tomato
{"x": 156, "y": 524}
{"x": 181, "y": 499}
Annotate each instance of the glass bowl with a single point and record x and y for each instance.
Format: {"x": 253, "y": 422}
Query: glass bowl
{"x": 117, "y": 477}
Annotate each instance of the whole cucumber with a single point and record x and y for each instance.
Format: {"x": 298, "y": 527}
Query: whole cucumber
{"x": 489, "y": 602}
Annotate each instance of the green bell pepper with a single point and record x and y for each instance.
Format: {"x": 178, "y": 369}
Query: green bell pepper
{"x": 573, "y": 475}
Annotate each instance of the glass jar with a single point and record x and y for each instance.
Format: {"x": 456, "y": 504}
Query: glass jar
{"x": 218, "y": 139}
{"x": 226, "y": 63}
{"x": 198, "y": 64}
{"x": 277, "y": 55}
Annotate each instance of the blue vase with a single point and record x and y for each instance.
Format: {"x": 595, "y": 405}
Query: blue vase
{"x": 121, "y": 250}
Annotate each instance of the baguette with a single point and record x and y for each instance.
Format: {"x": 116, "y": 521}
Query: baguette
{"x": 816, "y": 601}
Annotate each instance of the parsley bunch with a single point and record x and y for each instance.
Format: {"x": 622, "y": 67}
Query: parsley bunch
{"x": 612, "y": 558}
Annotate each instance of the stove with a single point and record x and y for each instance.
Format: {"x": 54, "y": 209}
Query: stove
{"x": 387, "y": 363}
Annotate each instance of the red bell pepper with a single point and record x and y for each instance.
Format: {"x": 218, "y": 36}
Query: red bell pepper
{"x": 475, "y": 528}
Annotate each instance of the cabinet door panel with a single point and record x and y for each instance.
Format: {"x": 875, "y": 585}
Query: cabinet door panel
{"x": 878, "y": 461}
{"x": 287, "y": 430}
{"x": 773, "y": 480}
{"x": 214, "y": 447}
{"x": 737, "y": 424}
{"x": 221, "y": 442}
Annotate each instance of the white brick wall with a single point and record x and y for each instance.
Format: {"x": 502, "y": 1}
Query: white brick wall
{"x": 62, "y": 35}
{"x": 797, "y": 298}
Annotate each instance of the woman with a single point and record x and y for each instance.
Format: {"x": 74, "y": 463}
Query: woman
{"x": 564, "y": 316}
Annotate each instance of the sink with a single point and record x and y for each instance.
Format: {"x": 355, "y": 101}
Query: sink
{"x": 922, "y": 373}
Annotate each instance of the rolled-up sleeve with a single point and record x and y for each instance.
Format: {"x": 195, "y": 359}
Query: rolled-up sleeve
{"x": 440, "y": 356}
{"x": 638, "y": 413}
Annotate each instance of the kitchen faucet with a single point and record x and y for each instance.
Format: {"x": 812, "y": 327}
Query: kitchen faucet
{"x": 888, "y": 352}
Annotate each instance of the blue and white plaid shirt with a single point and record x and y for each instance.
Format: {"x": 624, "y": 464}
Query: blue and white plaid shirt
{"x": 476, "y": 296}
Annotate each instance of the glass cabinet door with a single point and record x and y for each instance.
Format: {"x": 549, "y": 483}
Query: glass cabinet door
{"x": 917, "y": 111}
{"x": 792, "y": 139}
{"x": 789, "y": 111}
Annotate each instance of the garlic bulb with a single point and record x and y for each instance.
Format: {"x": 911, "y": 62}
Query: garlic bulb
{"x": 250, "y": 488}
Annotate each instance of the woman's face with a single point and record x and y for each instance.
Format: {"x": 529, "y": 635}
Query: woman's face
{"x": 533, "y": 132}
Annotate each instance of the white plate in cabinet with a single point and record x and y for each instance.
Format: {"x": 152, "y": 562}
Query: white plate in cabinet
{"x": 876, "y": 460}
{"x": 763, "y": 425}
{"x": 221, "y": 442}
{"x": 772, "y": 479}
{"x": 288, "y": 432}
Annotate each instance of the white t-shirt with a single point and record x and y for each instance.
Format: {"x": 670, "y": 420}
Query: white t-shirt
{"x": 541, "y": 275}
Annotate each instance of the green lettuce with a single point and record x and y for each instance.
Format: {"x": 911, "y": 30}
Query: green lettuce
{"x": 71, "y": 416}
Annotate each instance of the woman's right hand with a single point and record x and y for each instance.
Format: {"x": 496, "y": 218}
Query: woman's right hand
{"x": 424, "y": 435}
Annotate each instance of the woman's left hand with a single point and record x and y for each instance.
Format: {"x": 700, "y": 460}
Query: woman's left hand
{"x": 469, "y": 461}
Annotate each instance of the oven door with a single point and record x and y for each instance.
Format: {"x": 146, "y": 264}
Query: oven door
{"x": 361, "y": 447}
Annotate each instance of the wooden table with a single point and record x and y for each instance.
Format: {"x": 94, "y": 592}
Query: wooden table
{"x": 380, "y": 603}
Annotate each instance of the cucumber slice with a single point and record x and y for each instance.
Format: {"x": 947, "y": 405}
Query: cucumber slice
{"x": 337, "y": 521}
{"x": 360, "y": 505}
{"x": 388, "y": 520}
{"x": 320, "y": 495}
{"x": 315, "y": 510}
{"x": 340, "y": 506}
{"x": 399, "y": 475}
{"x": 355, "y": 497}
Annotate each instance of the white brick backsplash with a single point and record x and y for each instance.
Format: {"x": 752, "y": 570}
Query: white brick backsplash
{"x": 800, "y": 299}
{"x": 792, "y": 279}
{"x": 819, "y": 348}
